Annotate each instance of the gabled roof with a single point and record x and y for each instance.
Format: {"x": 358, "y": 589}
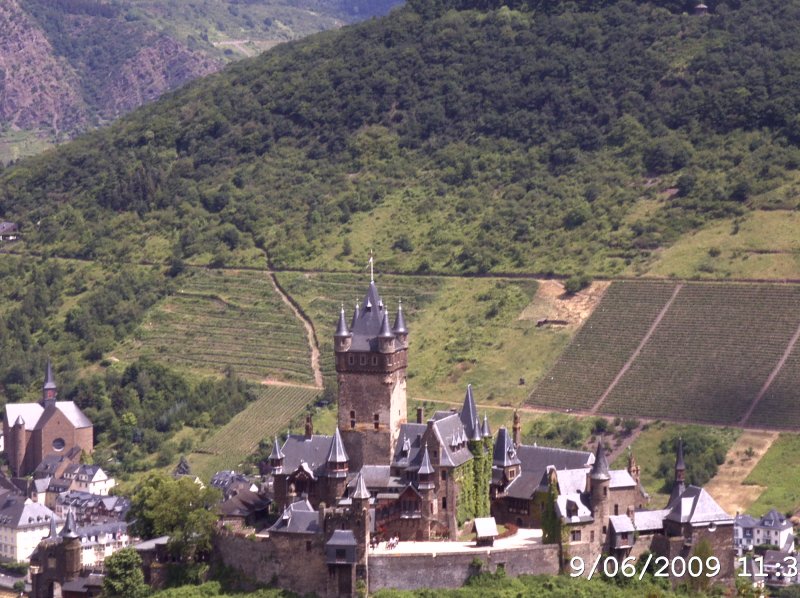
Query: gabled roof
{"x": 17, "y": 512}
{"x": 311, "y": 451}
{"x": 697, "y": 507}
{"x": 31, "y": 413}
{"x": 297, "y": 518}
{"x": 445, "y": 427}
{"x": 621, "y": 523}
{"x": 566, "y": 503}
{"x": 244, "y": 504}
{"x": 342, "y": 537}
{"x": 650, "y": 521}
{"x": 775, "y": 520}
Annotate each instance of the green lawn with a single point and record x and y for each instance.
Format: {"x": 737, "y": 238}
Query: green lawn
{"x": 779, "y": 471}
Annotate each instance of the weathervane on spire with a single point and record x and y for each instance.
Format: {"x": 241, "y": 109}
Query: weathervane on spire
{"x": 371, "y": 267}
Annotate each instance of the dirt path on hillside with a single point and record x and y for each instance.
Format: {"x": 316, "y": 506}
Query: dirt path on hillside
{"x": 726, "y": 487}
{"x": 553, "y": 304}
{"x": 312, "y": 342}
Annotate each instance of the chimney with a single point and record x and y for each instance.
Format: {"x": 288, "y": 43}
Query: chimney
{"x": 516, "y": 428}
{"x": 419, "y": 415}
{"x": 309, "y": 427}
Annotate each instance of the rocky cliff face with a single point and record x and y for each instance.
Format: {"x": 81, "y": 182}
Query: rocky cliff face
{"x": 37, "y": 88}
{"x": 70, "y": 65}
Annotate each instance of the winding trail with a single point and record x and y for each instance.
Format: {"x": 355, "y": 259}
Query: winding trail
{"x": 310, "y": 334}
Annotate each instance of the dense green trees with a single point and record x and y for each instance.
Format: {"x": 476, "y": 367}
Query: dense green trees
{"x": 181, "y": 509}
{"x": 123, "y": 575}
{"x": 555, "y": 117}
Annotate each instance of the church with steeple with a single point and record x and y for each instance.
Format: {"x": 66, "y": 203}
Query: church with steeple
{"x": 35, "y": 431}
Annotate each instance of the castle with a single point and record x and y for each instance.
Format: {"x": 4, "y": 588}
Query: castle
{"x": 380, "y": 476}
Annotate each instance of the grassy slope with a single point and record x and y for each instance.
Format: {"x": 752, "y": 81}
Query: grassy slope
{"x": 463, "y": 330}
{"x": 779, "y": 471}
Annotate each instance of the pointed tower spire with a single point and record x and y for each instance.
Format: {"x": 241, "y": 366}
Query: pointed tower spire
{"x": 276, "y": 453}
{"x": 337, "y": 454}
{"x": 386, "y": 331}
{"x": 600, "y": 467}
{"x": 70, "y": 530}
{"x": 399, "y": 321}
{"x": 476, "y": 431}
{"x": 355, "y": 317}
{"x": 679, "y": 463}
{"x": 486, "y": 432}
{"x": 469, "y": 413}
{"x": 341, "y": 327}
{"x": 53, "y": 530}
{"x": 361, "y": 492}
{"x": 49, "y": 388}
{"x": 425, "y": 467}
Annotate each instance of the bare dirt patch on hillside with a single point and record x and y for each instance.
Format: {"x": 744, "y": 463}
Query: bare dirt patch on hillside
{"x": 553, "y": 304}
{"x": 726, "y": 487}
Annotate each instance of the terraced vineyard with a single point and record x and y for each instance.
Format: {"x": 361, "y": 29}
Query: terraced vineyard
{"x": 220, "y": 319}
{"x": 321, "y": 296}
{"x": 463, "y": 330}
{"x": 268, "y": 416}
{"x": 602, "y": 346}
{"x": 706, "y": 360}
{"x": 780, "y": 406}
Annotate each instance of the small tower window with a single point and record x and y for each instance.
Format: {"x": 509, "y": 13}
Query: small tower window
{"x": 352, "y": 419}
{"x": 377, "y": 421}
{"x": 605, "y": 491}
{"x": 616, "y": 509}
{"x": 374, "y": 360}
{"x": 351, "y": 359}
{"x": 363, "y": 360}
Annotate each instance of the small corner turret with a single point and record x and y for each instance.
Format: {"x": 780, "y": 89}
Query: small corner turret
{"x": 343, "y": 337}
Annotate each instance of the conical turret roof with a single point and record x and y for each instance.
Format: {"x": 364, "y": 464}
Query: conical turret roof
{"x": 53, "y": 529}
{"x": 355, "y": 317}
{"x": 337, "y": 454}
{"x": 476, "y": 431}
{"x": 276, "y": 453}
{"x": 504, "y": 453}
{"x": 486, "y": 432}
{"x": 399, "y": 321}
{"x": 425, "y": 467}
{"x": 70, "y": 530}
{"x": 20, "y": 421}
{"x": 361, "y": 491}
{"x": 386, "y": 331}
{"x": 341, "y": 327}
{"x": 469, "y": 413}
{"x": 600, "y": 467}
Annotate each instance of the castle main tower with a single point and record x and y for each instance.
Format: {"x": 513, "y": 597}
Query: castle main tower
{"x": 371, "y": 361}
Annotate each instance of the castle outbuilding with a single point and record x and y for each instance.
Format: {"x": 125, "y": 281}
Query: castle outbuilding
{"x": 34, "y": 431}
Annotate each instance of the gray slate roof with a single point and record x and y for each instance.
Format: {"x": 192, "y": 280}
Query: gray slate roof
{"x": 244, "y": 504}
{"x": 342, "y": 537}
{"x": 446, "y": 426}
{"x": 360, "y": 491}
{"x": 600, "y": 465}
{"x": 695, "y": 506}
{"x": 367, "y": 322}
{"x": 621, "y": 523}
{"x": 32, "y": 412}
{"x": 337, "y": 454}
{"x": 312, "y": 451}
{"x": 297, "y": 518}
{"x": 469, "y": 415}
{"x": 650, "y": 521}
{"x": 504, "y": 453}
{"x": 17, "y": 512}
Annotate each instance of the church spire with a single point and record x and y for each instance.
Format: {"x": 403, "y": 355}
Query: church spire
{"x": 49, "y": 388}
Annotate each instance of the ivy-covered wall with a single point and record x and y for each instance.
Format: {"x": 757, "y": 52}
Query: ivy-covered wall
{"x": 473, "y": 479}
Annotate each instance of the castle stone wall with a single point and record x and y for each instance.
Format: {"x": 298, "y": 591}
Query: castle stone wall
{"x": 411, "y": 572}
